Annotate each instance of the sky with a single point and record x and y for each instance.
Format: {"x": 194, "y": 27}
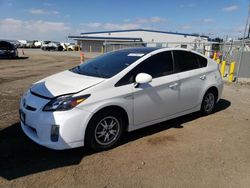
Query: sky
{"x": 55, "y": 20}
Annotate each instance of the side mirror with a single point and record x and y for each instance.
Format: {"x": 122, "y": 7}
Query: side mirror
{"x": 143, "y": 78}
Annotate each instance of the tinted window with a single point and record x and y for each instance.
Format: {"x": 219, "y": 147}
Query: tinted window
{"x": 202, "y": 61}
{"x": 185, "y": 60}
{"x": 6, "y": 45}
{"x": 158, "y": 65}
{"x": 107, "y": 65}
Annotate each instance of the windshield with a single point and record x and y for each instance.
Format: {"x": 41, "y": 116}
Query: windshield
{"x": 6, "y": 46}
{"x": 107, "y": 65}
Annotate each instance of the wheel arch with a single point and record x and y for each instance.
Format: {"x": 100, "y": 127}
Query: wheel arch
{"x": 109, "y": 107}
{"x": 214, "y": 89}
{"x": 112, "y": 107}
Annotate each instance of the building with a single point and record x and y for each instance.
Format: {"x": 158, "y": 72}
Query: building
{"x": 111, "y": 40}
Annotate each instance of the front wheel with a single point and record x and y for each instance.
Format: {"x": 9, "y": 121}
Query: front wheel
{"x": 208, "y": 103}
{"x": 104, "y": 130}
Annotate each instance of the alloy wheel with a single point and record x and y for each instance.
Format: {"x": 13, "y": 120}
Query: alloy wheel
{"x": 107, "y": 130}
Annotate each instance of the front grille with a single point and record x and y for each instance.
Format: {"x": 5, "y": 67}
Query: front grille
{"x": 30, "y": 108}
{"x": 41, "y": 96}
{"x": 32, "y": 129}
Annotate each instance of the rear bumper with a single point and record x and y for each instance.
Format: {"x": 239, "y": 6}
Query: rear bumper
{"x": 220, "y": 87}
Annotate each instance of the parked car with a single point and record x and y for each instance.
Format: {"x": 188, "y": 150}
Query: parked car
{"x": 8, "y": 50}
{"x": 52, "y": 46}
{"x": 72, "y": 47}
{"x": 94, "y": 103}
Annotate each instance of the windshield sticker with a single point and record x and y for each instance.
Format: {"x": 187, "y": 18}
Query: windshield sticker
{"x": 136, "y": 54}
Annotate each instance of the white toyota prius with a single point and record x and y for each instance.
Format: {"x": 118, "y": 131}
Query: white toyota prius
{"x": 94, "y": 103}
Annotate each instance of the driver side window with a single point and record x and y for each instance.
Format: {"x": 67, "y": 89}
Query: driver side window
{"x": 158, "y": 65}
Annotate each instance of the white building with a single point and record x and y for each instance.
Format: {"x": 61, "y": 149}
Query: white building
{"x": 111, "y": 40}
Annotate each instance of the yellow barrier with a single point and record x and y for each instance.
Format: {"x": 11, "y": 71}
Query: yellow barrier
{"x": 90, "y": 49}
{"x": 231, "y": 72}
{"x": 102, "y": 50}
{"x": 218, "y": 61}
{"x": 214, "y": 57}
{"x": 223, "y": 68}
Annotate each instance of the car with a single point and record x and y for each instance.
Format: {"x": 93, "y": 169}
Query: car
{"x": 72, "y": 47}
{"x": 94, "y": 103}
{"x": 51, "y": 46}
{"x": 8, "y": 50}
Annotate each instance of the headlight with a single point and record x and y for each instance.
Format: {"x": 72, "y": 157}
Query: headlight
{"x": 64, "y": 103}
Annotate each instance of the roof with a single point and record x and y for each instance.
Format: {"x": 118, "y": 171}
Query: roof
{"x": 106, "y": 38}
{"x": 146, "y": 30}
{"x": 144, "y": 50}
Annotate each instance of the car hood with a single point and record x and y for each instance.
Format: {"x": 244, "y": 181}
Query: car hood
{"x": 64, "y": 83}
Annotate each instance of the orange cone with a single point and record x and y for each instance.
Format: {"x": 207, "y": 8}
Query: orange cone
{"x": 82, "y": 57}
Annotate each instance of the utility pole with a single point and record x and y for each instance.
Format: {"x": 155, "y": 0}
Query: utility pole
{"x": 243, "y": 44}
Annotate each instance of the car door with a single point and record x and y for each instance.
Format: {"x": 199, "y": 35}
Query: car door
{"x": 159, "y": 98}
{"x": 191, "y": 79}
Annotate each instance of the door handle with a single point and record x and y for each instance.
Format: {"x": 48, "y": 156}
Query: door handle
{"x": 203, "y": 77}
{"x": 173, "y": 85}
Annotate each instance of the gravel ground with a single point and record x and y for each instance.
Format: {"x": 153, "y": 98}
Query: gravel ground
{"x": 191, "y": 151}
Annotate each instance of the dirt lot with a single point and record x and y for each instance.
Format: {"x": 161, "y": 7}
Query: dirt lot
{"x": 190, "y": 151}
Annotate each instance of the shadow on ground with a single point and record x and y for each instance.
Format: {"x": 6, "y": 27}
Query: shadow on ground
{"x": 20, "y": 156}
{"x": 16, "y": 58}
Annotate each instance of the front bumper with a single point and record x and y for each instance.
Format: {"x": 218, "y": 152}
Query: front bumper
{"x": 37, "y": 124}
{"x": 7, "y": 54}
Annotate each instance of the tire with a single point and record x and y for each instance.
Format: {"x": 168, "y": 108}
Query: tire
{"x": 208, "y": 102}
{"x": 104, "y": 130}
{"x": 59, "y": 48}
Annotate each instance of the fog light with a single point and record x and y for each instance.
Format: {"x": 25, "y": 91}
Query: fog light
{"x": 54, "y": 133}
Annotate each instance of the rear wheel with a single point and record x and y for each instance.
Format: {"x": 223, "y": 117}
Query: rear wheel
{"x": 60, "y": 48}
{"x": 208, "y": 103}
{"x": 104, "y": 130}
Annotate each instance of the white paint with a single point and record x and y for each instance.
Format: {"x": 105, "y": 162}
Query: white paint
{"x": 161, "y": 99}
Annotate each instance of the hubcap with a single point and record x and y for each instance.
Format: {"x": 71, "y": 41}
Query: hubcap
{"x": 107, "y": 130}
{"x": 209, "y": 102}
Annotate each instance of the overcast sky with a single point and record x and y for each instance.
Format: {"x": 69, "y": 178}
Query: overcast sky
{"x": 55, "y": 20}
